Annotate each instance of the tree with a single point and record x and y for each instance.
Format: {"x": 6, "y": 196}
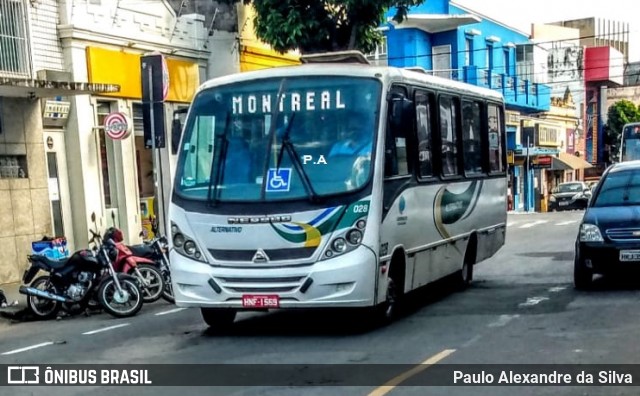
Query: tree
{"x": 620, "y": 113}
{"x": 312, "y": 26}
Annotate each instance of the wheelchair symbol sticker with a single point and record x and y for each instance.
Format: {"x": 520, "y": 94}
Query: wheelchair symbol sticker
{"x": 278, "y": 179}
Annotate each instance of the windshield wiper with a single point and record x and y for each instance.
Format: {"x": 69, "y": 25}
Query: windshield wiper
{"x": 216, "y": 180}
{"x": 293, "y": 154}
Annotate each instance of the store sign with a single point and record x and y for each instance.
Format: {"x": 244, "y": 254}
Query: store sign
{"x": 512, "y": 118}
{"x": 117, "y": 126}
{"x": 542, "y": 162}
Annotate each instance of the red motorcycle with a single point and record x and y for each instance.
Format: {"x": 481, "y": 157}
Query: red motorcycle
{"x": 150, "y": 277}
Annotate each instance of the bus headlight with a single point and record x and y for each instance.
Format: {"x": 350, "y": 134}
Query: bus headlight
{"x": 354, "y": 237}
{"x": 185, "y": 245}
{"x": 339, "y": 245}
{"x": 346, "y": 241}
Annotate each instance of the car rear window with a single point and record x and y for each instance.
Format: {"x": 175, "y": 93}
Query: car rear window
{"x": 570, "y": 187}
{"x": 619, "y": 189}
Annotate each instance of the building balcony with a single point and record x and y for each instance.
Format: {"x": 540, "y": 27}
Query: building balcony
{"x": 519, "y": 94}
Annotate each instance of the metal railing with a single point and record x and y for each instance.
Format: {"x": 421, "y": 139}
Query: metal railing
{"x": 14, "y": 40}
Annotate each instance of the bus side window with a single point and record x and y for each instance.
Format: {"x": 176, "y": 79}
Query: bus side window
{"x": 471, "y": 133}
{"x": 496, "y": 135}
{"x": 395, "y": 152}
{"x": 423, "y": 129}
{"x": 449, "y": 135}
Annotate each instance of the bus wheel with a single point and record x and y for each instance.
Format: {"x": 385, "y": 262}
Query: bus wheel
{"x": 218, "y": 318}
{"x": 465, "y": 275}
{"x": 387, "y": 312}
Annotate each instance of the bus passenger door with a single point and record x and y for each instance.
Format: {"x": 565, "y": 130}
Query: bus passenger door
{"x": 396, "y": 229}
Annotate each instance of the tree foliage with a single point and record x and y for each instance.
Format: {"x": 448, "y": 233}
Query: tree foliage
{"x": 312, "y": 26}
{"x": 620, "y": 113}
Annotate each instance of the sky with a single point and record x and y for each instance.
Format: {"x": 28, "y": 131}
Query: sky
{"x": 521, "y": 14}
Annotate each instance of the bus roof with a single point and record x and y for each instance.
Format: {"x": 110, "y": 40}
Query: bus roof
{"x": 387, "y": 73}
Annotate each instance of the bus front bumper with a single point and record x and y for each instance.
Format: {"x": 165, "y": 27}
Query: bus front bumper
{"x": 344, "y": 281}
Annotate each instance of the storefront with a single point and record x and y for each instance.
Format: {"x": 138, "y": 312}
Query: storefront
{"x": 114, "y": 177}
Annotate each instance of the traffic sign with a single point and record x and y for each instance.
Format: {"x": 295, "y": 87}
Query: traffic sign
{"x": 117, "y": 126}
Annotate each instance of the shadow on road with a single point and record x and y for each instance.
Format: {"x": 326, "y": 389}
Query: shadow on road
{"x": 331, "y": 322}
{"x": 555, "y": 256}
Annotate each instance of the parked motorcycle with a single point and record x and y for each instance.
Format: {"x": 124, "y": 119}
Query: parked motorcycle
{"x": 76, "y": 281}
{"x": 145, "y": 269}
{"x": 156, "y": 249}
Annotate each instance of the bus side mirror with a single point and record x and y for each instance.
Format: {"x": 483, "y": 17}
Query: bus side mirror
{"x": 176, "y": 134}
{"x": 400, "y": 115}
{"x": 176, "y": 129}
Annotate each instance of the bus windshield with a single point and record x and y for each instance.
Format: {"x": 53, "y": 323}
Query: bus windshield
{"x": 631, "y": 143}
{"x": 274, "y": 139}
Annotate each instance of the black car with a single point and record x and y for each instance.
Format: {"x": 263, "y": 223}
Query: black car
{"x": 569, "y": 196}
{"x": 609, "y": 236}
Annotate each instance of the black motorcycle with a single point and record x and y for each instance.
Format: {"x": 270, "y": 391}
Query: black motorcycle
{"x": 84, "y": 277}
{"x": 156, "y": 249}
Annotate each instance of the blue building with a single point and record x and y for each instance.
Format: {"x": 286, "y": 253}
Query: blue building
{"x": 457, "y": 43}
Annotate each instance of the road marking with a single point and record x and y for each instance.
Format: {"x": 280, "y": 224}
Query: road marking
{"x": 170, "y": 311}
{"x": 511, "y": 223}
{"x": 106, "y": 329}
{"x": 502, "y": 320}
{"x": 557, "y": 289}
{"x": 535, "y": 223}
{"x": 391, "y": 384}
{"x": 28, "y": 348}
{"x": 566, "y": 222}
{"x": 533, "y": 301}
{"x": 472, "y": 341}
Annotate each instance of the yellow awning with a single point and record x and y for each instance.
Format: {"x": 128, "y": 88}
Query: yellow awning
{"x": 569, "y": 162}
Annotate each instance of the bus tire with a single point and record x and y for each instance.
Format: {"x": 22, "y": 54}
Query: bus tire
{"x": 218, "y": 318}
{"x": 465, "y": 275}
{"x": 388, "y": 311}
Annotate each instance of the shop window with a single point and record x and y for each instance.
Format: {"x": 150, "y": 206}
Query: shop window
{"x": 423, "y": 128}
{"x": 449, "y": 135}
{"x": 471, "y": 133}
{"x": 107, "y": 159}
{"x": 496, "y": 136}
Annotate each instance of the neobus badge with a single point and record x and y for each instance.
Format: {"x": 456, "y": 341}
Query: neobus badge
{"x": 259, "y": 220}
{"x": 309, "y": 101}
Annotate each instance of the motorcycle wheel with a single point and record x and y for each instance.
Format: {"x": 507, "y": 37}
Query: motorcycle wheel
{"x": 42, "y": 307}
{"x": 151, "y": 282}
{"x": 167, "y": 293}
{"x": 111, "y": 301}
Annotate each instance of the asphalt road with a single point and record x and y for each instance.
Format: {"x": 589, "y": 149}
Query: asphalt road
{"x": 521, "y": 309}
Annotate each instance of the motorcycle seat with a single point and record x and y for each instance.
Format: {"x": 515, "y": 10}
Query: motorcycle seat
{"x": 53, "y": 264}
{"x": 142, "y": 250}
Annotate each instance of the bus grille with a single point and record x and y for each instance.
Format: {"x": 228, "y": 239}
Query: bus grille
{"x": 273, "y": 254}
{"x": 261, "y": 285}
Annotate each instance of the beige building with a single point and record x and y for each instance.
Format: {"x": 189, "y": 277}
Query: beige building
{"x": 32, "y": 75}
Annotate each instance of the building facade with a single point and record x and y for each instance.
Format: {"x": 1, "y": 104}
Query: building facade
{"x": 33, "y": 81}
{"x": 103, "y": 41}
{"x": 451, "y": 41}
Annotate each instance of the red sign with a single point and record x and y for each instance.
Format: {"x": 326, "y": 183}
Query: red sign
{"x": 260, "y": 301}
{"x": 117, "y": 126}
{"x": 544, "y": 160}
